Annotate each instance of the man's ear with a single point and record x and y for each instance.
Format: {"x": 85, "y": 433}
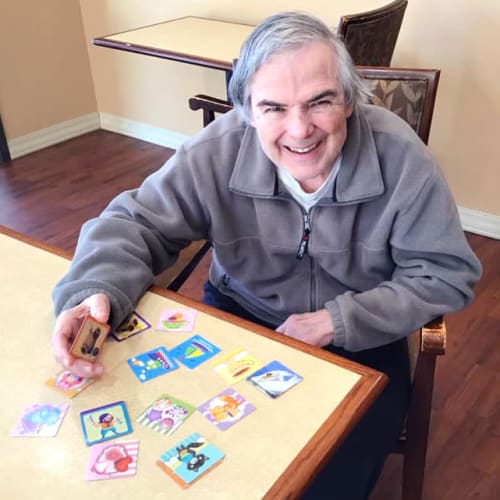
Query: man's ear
{"x": 348, "y": 110}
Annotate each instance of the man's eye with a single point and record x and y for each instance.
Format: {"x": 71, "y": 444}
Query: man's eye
{"x": 273, "y": 109}
{"x": 322, "y": 104}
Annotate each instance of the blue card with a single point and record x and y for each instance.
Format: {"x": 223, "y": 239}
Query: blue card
{"x": 194, "y": 351}
{"x": 105, "y": 422}
{"x": 274, "y": 379}
{"x": 151, "y": 364}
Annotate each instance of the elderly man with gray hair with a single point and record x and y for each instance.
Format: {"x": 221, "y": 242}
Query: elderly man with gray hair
{"x": 330, "y": 223}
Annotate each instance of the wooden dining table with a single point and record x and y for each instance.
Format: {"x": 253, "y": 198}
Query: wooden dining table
{"x": 273, "y": 453}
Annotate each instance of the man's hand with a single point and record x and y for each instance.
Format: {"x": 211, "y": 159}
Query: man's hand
{"x": 66, "y": 328}
{"x": 313, "y": 328}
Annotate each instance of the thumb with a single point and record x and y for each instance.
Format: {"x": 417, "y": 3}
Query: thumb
{"x": 99, "y": 307}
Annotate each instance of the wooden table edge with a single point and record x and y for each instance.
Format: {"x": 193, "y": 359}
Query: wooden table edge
{"x": 106, "y": 41}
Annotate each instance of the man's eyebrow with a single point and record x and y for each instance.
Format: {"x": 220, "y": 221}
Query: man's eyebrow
{"x": 274, "y": 104}
{"x": 266, "y": 103}
{"x": 322, "y": 95}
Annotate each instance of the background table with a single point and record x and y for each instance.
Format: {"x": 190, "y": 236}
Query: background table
{"x": 271, "y": 453}
{"x": 194, "y": 40}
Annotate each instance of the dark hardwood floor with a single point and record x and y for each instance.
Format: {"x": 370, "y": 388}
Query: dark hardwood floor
{"x": 50, "y": 193}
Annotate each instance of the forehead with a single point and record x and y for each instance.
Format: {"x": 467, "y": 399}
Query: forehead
{"x": 296, "y": 72}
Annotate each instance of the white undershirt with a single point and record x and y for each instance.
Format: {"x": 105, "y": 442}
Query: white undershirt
{"x": 308, "y": 200}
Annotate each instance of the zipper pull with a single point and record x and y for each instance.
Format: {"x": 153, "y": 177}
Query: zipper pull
{"x": 304, "y": 242}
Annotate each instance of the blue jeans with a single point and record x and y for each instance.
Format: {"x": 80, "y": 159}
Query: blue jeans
{"x": 353, "y": 470}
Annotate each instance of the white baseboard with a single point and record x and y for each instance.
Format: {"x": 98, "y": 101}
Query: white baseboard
{"x": 473, "y": 221}
{"x": 148, "y": 133}
{"x": 53, "y": 135}
{"x": 480, "y": 222}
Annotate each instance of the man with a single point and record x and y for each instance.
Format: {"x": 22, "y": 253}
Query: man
{"x": 329, "y": 218}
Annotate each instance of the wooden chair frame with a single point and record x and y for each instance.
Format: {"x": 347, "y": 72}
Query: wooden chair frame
{"x": 392, "y": 12}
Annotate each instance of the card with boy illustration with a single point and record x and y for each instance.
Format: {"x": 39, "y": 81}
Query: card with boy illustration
{"x": 105, "y": 422}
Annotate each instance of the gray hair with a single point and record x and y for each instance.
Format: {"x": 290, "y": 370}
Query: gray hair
{"x": 283, "y": 32}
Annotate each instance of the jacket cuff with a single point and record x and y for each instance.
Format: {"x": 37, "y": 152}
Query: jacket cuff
{"x": 338, "y": 323}
{"x": 120, "y": 306}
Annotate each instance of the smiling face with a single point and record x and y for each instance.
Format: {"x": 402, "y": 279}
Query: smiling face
{"x": 298, "y": 110}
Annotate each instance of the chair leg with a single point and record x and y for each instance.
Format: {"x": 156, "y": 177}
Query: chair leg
{"x": 418, "y": 428}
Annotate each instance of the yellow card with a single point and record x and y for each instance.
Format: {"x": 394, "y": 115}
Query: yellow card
{"x": 236, "y": 365}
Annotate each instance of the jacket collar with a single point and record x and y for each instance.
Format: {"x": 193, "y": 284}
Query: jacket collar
{"x": 359, "y": 177}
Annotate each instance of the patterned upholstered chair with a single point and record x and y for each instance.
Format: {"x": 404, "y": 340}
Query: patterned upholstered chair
{"x": 370, "y": 37}
{"x": 410, "y": 93}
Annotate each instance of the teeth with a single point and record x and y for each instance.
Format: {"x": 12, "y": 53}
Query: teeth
{"x": 302, "y": 150}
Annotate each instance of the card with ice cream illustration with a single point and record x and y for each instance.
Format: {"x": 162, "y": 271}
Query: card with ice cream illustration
{"x": 176, "y": 320}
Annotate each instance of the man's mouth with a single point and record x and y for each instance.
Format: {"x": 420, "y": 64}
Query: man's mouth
{"x": 304, "y": 150}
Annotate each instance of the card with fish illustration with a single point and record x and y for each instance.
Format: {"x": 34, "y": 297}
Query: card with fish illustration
{"x": 236, "y": 365}
{"x": 165, "y": 414}
{"x": 176, "y": 320}
{"x": 133, "y": 325}
{"x": 151, "y": 364}
{"x": 194, "y": 351}
{"x": 40, "y": 420}
{"x": 274, "y": 379}
{"x": 190, "y": 459}
{"x": 112, "y": 460}
{"x": 105, "y": 422}
{"x": 68, "y": 384}
{"x": 226, "y": 408}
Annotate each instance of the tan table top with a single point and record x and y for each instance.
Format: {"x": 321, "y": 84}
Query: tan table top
{"x": 195, "y": 40}
{"x": 271, "y": 453}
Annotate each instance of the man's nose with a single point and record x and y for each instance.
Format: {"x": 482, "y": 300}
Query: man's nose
{"x": 299, "y": 123}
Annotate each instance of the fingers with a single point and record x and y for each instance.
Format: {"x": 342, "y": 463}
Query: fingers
{"x": 98, "y": 306}
{"x": 66, "y": 327}
{"x": 313, "y": 328}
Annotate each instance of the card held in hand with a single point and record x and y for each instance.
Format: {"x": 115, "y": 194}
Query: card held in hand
{"x": 190, "y": 459}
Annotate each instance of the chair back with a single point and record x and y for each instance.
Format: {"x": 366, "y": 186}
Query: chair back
{"x": 410, "y": 93}
{"x": 370, "y": 37}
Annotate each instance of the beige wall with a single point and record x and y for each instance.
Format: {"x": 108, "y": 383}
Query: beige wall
{"x": 458, "y": 36}
{"x": 44, "y": 67}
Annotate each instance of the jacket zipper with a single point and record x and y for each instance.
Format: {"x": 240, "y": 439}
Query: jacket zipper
{"x": 304, "y": 242}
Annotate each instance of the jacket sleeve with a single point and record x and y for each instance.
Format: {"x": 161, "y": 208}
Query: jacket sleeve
{"x": 434, "y": 274}
{"x": 136, "y": 237}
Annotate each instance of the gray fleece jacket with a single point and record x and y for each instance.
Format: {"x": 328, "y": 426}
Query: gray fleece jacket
{"x": 383, "y": 253}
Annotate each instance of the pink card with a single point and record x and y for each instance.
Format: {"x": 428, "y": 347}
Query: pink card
{"x": 40, "y": 420}
{"x": 112, "y": 460}
{"x": 68, "y": 384}
{"x": 176, "y": 320}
